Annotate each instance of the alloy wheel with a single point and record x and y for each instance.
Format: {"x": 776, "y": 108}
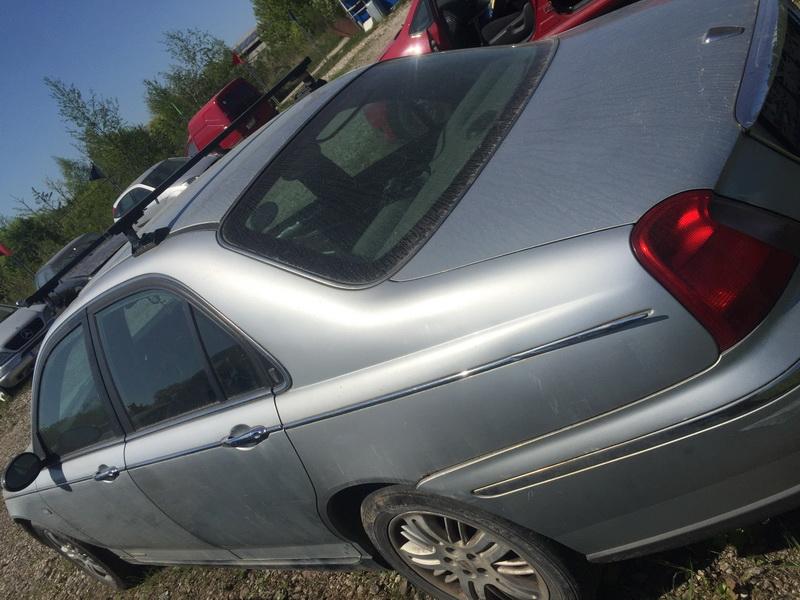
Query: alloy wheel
{"x": 78, "y": 556}
{"x": 463, "y": 560}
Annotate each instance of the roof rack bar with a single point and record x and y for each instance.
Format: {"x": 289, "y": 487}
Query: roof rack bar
{"x": 128, "y": 220}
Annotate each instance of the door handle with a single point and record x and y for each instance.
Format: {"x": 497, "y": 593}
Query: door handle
{"x": 106, "y": 473}
{"x": 250, "y": 437}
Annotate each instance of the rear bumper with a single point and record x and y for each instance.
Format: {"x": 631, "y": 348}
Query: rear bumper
{"x": 742, "y": 465}
{"x": 717, "y": 450}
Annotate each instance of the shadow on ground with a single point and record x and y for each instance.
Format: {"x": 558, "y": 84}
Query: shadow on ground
{"x": 757, "y": 562}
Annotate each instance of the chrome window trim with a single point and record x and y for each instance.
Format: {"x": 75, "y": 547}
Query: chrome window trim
{"x": 79, "y": 319}
{"x": 632, "y": 320}
{"x": 170, "y": 285}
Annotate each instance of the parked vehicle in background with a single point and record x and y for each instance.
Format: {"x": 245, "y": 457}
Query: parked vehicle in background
{"x": 79, "y": 275}
{"x": 152, "y": 178}
{"x": 21, "y": 331}
{"x": 434, "y": 25}
{"x": 62, "y": 257}
{"x": 23, "y": 327}
{"x": 218, "y": 113}
{"x": 465, "y": 343}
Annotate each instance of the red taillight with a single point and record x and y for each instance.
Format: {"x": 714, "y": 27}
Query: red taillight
{"x": 727, "y": 279}
{"x": 114, "y": 211}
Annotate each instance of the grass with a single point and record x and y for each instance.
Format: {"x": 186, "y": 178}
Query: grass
{"x": 332, "y": 59}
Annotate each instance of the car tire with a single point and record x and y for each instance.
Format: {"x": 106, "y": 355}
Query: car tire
{"x": 453, "y": 551}
{"x": 99, "y": 563}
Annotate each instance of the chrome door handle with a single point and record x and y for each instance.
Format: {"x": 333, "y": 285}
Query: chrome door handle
{"x": 106, "y": 473}
{"x": 251, "y": 437}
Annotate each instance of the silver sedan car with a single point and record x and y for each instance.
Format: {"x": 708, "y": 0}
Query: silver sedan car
{"x": 483, "y": 317}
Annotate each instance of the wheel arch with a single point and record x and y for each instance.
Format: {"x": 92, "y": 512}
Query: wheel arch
{"x": 343, "y": 513}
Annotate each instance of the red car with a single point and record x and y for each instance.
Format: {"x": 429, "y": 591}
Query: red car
{"x": 433, "y": 25}
{"x": 218, "y": 113}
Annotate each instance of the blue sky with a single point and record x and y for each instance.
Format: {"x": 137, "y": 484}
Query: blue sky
{"x": 108, "y": 46}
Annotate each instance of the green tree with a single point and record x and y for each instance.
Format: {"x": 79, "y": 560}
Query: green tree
{"x": 123, "y": 151}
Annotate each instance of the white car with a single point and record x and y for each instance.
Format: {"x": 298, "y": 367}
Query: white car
{"x": 152, "y": 178}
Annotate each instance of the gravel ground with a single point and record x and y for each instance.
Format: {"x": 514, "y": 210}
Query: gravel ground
{"x": 372, "y": 46}
{"x": 757, "y": 563}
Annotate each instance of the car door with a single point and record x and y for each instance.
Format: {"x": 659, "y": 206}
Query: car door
{"x": 205, "y": 442}
{"x": 428, "y": 20}
{"x": 84, "y": 482}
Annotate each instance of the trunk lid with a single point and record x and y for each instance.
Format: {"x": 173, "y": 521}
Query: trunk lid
{"x": 635, "y": 107}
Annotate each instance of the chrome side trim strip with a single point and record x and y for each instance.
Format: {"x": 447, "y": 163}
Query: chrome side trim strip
{"x": 188, "y": 452}
{"x": 625, "y": 322}
{"x": 143, "y": 463}
{"x": 746, "y": 406}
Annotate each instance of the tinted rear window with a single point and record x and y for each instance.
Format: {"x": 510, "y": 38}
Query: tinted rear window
{"x": 5, "y": 312}
{"x": 422, "y": 19}
{"x": 237, "y": 98}
{"x": 372, "y": 175}
{"x": 779, "y": 121}
{"x": 163, "y": 170}
{"x": 62, "y": 257}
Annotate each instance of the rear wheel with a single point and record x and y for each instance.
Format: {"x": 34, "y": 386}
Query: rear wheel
{"x": 98, "y": 563}
{"x": 454, "y": 551}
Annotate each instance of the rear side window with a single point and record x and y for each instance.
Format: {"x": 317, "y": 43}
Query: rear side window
{"x": 422, "y": 19}
{"x": 234, "y": 370}
{"x": 161, "y": 366}
{"x": 374, "y": 173}
{"x": 72, "y": 414}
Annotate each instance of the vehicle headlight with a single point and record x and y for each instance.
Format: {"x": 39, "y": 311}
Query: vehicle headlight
{"x": 5, "y": 357}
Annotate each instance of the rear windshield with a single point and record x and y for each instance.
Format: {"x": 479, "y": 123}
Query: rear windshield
{"x": 163, "y": 170}
{"x": 62, "y": 257}
{"x": 5, "y": 312}
{"x": 237, "y": 98}
{"x": 375, "y": 172}
{"x": 422, "y": 19}
{"x": 131, "y": 199}
{"x": 779, "y": 121}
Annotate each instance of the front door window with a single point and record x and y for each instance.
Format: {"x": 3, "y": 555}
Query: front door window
{"x": 71, "y": 412}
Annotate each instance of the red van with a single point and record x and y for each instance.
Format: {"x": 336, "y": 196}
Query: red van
{"x": 219, "y": 112}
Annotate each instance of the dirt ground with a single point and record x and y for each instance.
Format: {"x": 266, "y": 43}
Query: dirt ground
{"x": 758, "y": 563}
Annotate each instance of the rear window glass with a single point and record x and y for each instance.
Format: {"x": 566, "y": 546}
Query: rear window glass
{"x": 131, "y": 199}
{"x": 422, "y": 19}
{"x": 5, "y": 312}
{"x": 779, "y": 121}
{"x": 62, "y": 257}
{"x": 374, "y": 173}
{"x": 237, "y": 98}
{"x": 163, "y": 170}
